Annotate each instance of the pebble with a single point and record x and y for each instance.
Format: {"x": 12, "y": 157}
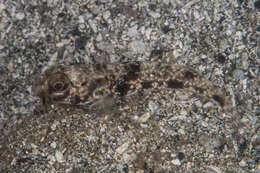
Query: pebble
{"x": 176, "y": 162}
{"x": 153, "y": 106}
{"x": 1, "y": 47}
{"x": 93, "y": 25}
{"x": 216, "y": 169}
{"x": 137, "y": 46}
{"x": 51, "y": 159}
{"x": 224, "y": 44}
{"x": 133, "y": 32}
{"x": 144, "y": 117}
{"x": 239, "y": 35}
{"x": 10, "y": 67}
{"x": 106, "y": 15}
{"x": 81, "y": 19}
{"x": 2, "y": 6}
{"x": 59, "y": 156}
{"x": 53, "y": 145}
{"x": 166, "y": 2}
{"x": 148, "y": 33}
{"x": 242, "y": 163}
{"x": 257, "y": 4}
{"x": 99, "y": 37}
{"x": 204, "y": 124}
{"x": 181, "y": 131}
{"x": 20, "y": 16}
{"x": 238, "y": 74}
{"x": 81, "y": 42}
{"x": 208, "y": 105}
{"x": 197, "y": 14}
{"x": 210, "y": 142}
{"x": 144, "y": 126}
{"x": 106, "y": 47}
{"x": 154, "y": 14}
{"x": 122, "y": 148}
{"x": 221, "y": 58}
{"x": 54, "y": 126}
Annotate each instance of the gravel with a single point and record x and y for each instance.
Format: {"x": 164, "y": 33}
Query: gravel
{"x": 219, "y": 39}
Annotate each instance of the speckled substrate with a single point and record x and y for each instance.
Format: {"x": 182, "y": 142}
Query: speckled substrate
{"x": 219, "y": 39}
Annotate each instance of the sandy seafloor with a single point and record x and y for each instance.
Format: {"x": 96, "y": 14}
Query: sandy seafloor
{"x": 219, "y": 39}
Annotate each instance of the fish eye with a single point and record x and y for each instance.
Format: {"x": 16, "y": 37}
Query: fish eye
{"x": 58, "y": 83}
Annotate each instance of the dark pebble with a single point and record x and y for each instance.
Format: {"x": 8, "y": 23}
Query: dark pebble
{"x": 257, "y": 4}
{"x": 221, "y": 58}
{"x": 166, "y": 29}
{"x": 181, "y": 155}
{"x": 81, "y": 42}
{"x": 258, "y": 28}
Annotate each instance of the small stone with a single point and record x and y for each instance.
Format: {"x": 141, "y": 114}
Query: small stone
{"x": 238, "y": 74}
{"x": 244, "y": 61}
{"x": 20, "y": 16}
{"x": 53, "y": 145}
{"x": 122, "y": 148}
{"x": 211, "y": 142}
{"x": 106, "y": 15}
{"x": 181, "y": 131}
{"x": 34, "y": 146}
{"x": 43, "y": 131}
{"x": 137, "y": 46}
{"x": 128, "y": 11}
{"x": 208, "y": 105}
{"x": 2, "y": 6}
{"x": 258, "y": 28}
{"x": 153, "y": 106}
{"x": 166, "y": 2}
{"x": 60, "y": 44}
{"x": 242, "y": 163}
{"x": 144, "y": 126}
{"x": 224, "y": 44}
{"x": 221, "y": 58}
{"x": 166, "y": 29}
{"x": 181, "y": 155}
{"x": 148, "y": 33}
{"x": 99, "y": 37}
{"x": 197, "y": 14}
{"x": 10, "y": 67}
{"x": 204, "y": 124}
{"x": 176, "y": 162}
{"x": 183, "y": 96}
{"x": 154, "y": 14}
{"x": 257, "y": 4}
{"x": 61, "y": 15}
{"x": 54, "y": 126}
{"x": 1, "y": 47}
{"x": 81, "y": 19}
{"x": 133, "y": 32}
{"x": 157, "y": 54}
{"x": 59, "y": 156}
{"x": 51, "y": 159}
{"x": 29, "y": 89}
{"x": 93, "y": 25}
{"x": 216, "y": 169}
{"x": 239, "y": 35}
{"x": 106, "y": 47}
{"x": 144, "y": 117}
{"x": 81, "y": 42}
